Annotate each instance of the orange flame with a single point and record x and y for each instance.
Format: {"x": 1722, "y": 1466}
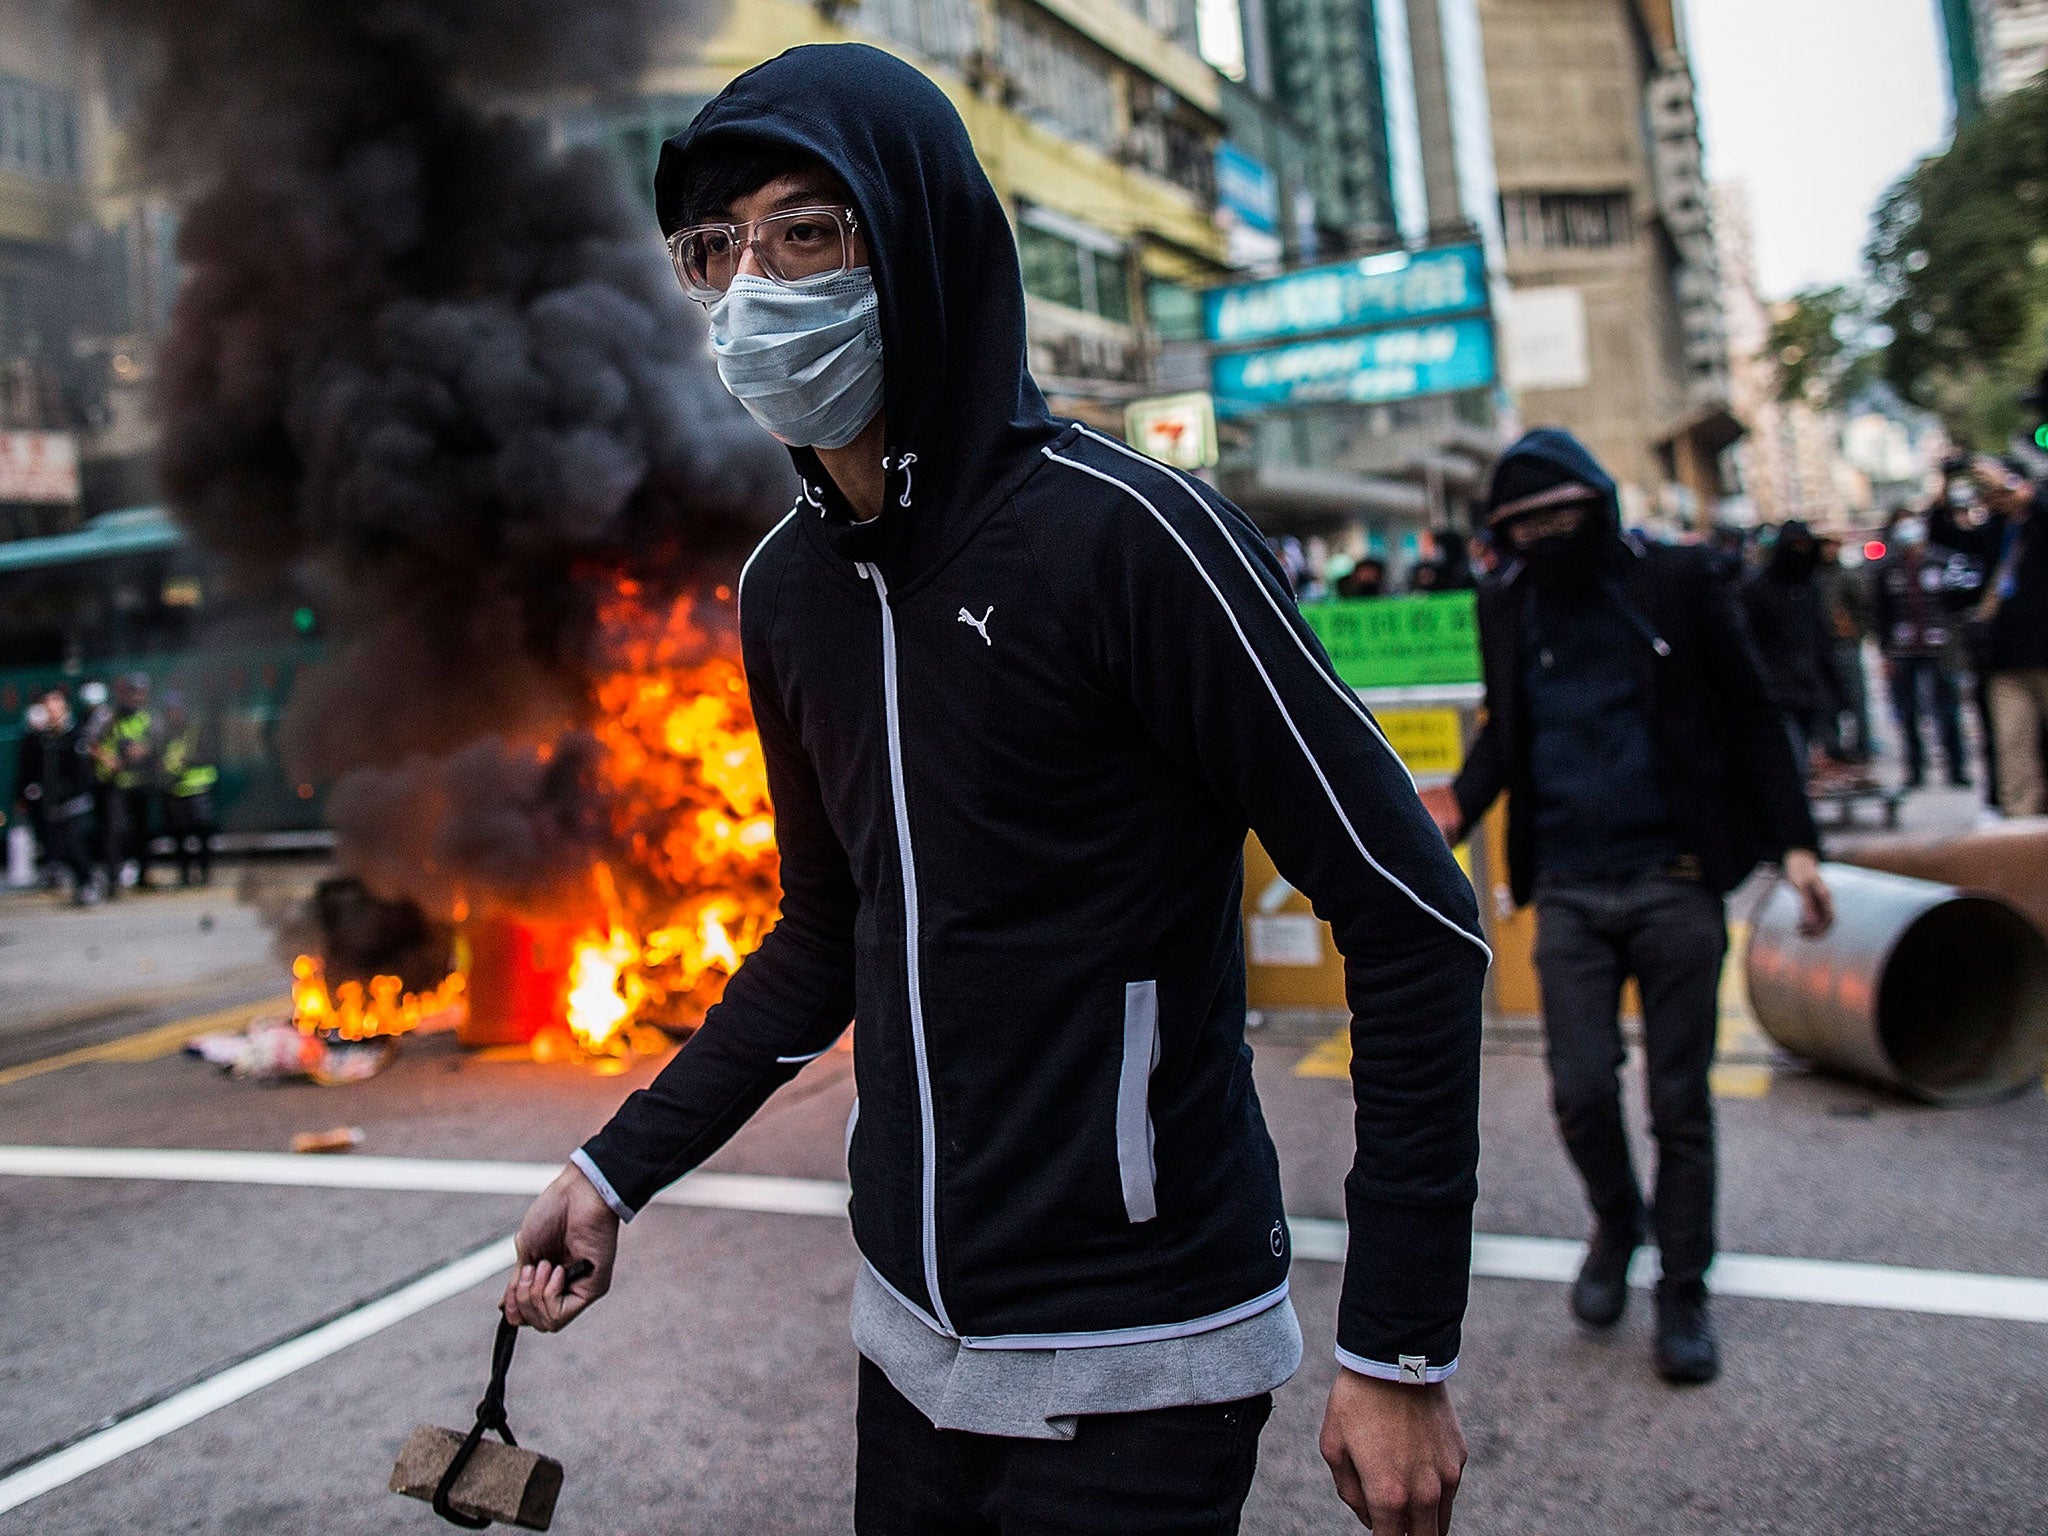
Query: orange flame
{"x": 356, "y": 1012}
{"x": 681, "y": 774}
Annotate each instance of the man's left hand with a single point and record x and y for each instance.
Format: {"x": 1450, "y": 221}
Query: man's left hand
{"x": 1396, "y": 1452}
{"x": 1816, "y": 901}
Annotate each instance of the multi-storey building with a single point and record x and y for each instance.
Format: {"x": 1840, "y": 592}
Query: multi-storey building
{"x": 1606, "y": 223}
{"x": 1994, "y": 47}
{"x": 1791, "y": 463}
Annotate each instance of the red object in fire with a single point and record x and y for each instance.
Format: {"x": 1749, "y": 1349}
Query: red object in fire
{"x": 518, "y": 979}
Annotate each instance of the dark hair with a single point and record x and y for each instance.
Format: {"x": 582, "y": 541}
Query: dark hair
{"x": 715, "y": 178}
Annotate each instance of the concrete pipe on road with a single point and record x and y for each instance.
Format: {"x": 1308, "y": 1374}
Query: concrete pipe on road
{"x": 1938, "y": 992}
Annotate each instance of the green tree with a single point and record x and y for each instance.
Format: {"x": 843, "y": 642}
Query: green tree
{"x": 1959, "y": 258}
{"x": 1825, "y": 347}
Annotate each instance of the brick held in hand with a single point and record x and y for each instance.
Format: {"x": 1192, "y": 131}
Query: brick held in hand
{"x": 502, "y": 1482}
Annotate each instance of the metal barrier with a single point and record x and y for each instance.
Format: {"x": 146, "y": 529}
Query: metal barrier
{"x": 1923, "y": 987}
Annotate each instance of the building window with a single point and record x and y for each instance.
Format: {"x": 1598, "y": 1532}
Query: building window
{"x": 1056, "y": 80}
{"x": 1067, "y": 262}
{"x": 38, "y": 131}
{"x": 1553, "y": 221}
{"x": 944, "y": 31}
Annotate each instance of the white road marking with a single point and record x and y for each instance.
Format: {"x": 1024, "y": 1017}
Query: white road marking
{"x": 431, "y": 1175}
{"x": 238, "y": 1381}
{"x": 1824, "y": 1282}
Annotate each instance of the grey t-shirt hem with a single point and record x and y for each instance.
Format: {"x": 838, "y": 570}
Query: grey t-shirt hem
{"x": 1038, "y": 1394}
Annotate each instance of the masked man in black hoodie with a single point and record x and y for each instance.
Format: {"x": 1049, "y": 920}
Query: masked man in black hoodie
{"x": 1021, "y": 693}
{"x": 1647, "y": 772}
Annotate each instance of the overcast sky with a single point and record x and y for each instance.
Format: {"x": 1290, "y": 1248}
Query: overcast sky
{"x": 1818, "y": 106}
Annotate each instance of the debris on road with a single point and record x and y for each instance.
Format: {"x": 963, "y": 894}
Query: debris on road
{"x": 343, "y": 1138}
{"x": 272, "y": 1050}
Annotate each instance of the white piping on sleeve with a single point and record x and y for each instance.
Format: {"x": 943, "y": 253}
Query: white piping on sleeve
{"x": 797, "y": 1061}
{"x": 1336, "y": 684}
{"x": 1273, "y": 692}
{"x": 1413, "y": 1371}
{"x": 580, "y": 1160}
{"x": 739, "y": 587}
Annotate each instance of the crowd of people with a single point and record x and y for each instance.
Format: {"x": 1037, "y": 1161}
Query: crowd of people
{"x": 1950, "y": 601}
{"x": 101, "y": 777}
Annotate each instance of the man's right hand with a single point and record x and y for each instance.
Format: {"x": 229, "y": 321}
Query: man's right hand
{"x": 569, "y": 1221}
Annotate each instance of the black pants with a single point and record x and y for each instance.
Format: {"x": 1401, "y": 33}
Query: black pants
{"x": 1925, "y": 682}
{"x": 1670, "y": 935}
{"x": 189, "y": 820}
{"x": 66, "y": 841}
{"x": 1167, "y": 1472}
{"x": 125, "y": 832}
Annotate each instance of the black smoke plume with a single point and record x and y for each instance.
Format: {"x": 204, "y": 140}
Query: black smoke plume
{"x": 431, "y": 372}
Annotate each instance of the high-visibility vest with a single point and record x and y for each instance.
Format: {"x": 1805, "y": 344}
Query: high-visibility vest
{"x": 132, "y": 728}
{"x": 186, "y": 773}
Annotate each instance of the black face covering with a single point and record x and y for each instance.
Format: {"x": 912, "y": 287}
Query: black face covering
{"x": 1795, "y": 561}
{"x": 1565, "y": 560}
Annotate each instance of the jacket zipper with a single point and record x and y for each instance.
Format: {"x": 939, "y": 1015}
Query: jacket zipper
{"x": 914, "y": 961}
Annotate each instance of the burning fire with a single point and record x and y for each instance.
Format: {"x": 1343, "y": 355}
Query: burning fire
{"x": 356, "y": 1012}
{"x": 691, "y": 887}
{"x": 681, "y": 775}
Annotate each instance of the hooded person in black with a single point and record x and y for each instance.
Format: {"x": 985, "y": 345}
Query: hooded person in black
{"x": 1647, "y": 772}
{"x": 1021, "y": 692}
{"x": 1788, "y": 616}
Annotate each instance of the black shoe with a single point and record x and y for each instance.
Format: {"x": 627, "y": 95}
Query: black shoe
{"x": 1600, "y": 1294}
{"x": 1686, "y": 1352}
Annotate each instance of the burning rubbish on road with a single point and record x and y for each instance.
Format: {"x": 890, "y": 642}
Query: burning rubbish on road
{"x": 429, "y": 372}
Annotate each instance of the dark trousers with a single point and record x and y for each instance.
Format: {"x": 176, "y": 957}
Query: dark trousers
{"x": 66, "y": 841}
{"x": 125, "y": 831}
{"x": 1671, "y": 936}
{"x": 190, "y": 824}
{"x": 1166, "y": 1472}
{"x": 1925, "y": 683}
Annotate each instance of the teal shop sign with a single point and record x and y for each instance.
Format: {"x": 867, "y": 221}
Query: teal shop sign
{"x": 1362, "y": 370}
{"x": 1400, "y": 642}
{"x": 1389, "y": 289}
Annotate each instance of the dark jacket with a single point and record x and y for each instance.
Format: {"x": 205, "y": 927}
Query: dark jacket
{"x": 1795, "y": 637}
{"x": 1016, "y": 729}
{"x": 55, "y": 776}
{"x": 1918, "y": 597}
{"x": 2018, "y": 579}
{"x": 1724, "y": 760}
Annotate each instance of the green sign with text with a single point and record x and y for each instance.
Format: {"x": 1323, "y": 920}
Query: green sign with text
{"x": 1400, "y": 642}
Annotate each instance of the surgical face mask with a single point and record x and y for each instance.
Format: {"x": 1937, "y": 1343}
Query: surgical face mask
{"x": 1910, "y": 531}
{"x": 805, "y": 361}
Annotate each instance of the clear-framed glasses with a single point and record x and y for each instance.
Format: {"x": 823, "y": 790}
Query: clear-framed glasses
{"x": 794, "y": 246}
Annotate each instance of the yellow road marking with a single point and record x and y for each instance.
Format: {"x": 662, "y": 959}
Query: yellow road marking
{"x": 149, "y": 1044}
{"x": 1330, "y": 1059}
{"x": 1736, "y": 1036}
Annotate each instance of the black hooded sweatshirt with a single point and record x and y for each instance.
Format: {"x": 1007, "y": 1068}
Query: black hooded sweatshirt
{"x": 1016, "y": 729}
{"x": 1721, "y": 759}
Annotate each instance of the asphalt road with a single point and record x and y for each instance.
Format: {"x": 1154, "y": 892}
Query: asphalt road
{"x": 712, "y": 1392}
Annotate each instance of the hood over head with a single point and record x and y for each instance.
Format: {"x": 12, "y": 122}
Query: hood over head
{"x": 1796, "y": 555}
{"x": 963, "y": 415}
{"x": 1549, "y": 466}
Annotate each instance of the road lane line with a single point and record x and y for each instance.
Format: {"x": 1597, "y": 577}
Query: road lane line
{"x": 1823, "y": 1282}
{"x": 426, "y": 1175}
{"x": 251, "y": 1375}
{"x": 148, "y": 1044}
